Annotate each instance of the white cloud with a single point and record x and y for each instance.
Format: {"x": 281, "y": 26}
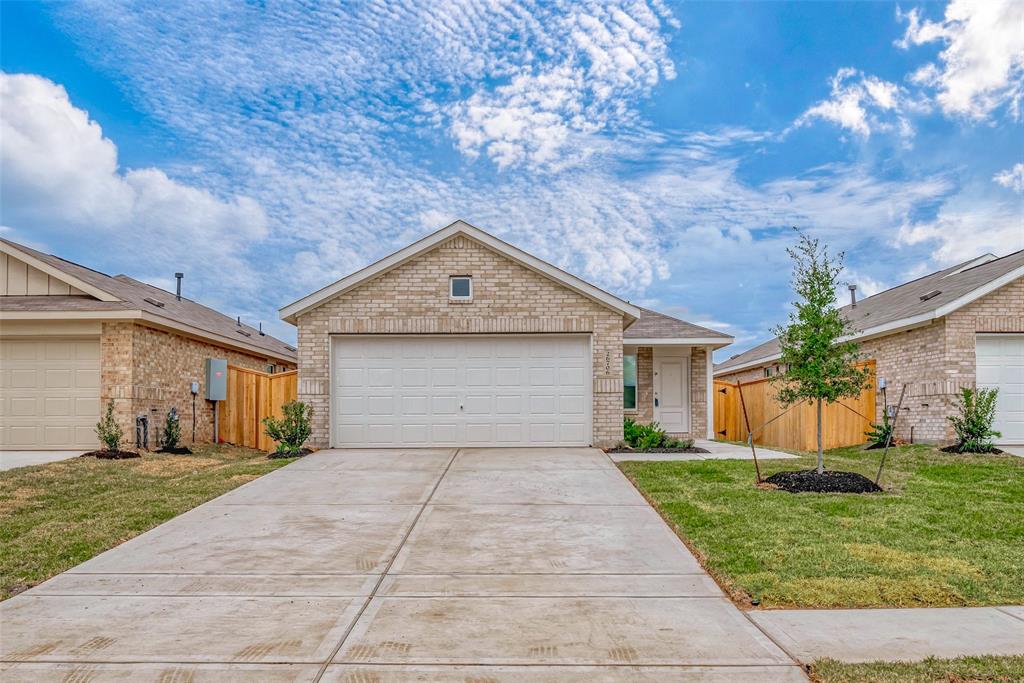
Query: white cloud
{"x": 863, "y": 104}
{"x": 982, "y": 66}
{"x": 1011, "y": 178}
{"x": 61, "y": 179}
{"x": 965, "y": 228}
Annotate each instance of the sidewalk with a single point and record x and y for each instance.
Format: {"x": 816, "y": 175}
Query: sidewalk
{"x": 866, "y": 635}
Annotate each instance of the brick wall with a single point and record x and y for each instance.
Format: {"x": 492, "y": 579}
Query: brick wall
{"x": 507, "y": 298}
{"x": 147, "y": 371}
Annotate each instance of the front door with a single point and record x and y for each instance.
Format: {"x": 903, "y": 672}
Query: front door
{"x": 671, "y": 397}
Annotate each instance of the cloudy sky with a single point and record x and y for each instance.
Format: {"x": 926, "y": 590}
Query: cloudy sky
{"x": 660, "y": 150}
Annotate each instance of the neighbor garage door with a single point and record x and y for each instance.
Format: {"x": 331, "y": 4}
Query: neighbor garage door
{"x": 1001, "y": 366}
{"x": 49, "y": 393}
{"x": 461, "y": 391}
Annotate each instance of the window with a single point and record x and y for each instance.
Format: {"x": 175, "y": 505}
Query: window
{"x": 629, "y": 382}
{"x": 768, "y": 372}
{"x": 460, "y": 287}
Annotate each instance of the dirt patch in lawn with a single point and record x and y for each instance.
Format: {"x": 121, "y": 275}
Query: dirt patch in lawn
{"x": 278, "y": 454}
{"x": 177, "y": 450}
{"x": 956, "y": 449}
{"x": 829, "y": 481}
{"x": 171, "y": 466}
{"x": 111, "y": 455}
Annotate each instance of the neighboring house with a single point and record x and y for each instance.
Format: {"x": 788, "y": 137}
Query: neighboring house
{"x": 958, "y": 327}
{"x": 71, "y": 338}
{"x": 462, "y": 339}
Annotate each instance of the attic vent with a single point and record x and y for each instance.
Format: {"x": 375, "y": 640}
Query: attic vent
{"x": 931, "y": 295}
{"x": 159, "y": 304}
{"x": 243, "y": 332}
{"x": 290, "y": 348}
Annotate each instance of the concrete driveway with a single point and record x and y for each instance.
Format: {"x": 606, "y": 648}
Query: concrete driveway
{"x": 441, "y": 565}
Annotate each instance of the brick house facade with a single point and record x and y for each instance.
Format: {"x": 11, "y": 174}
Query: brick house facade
{"x": 148, "y": 371}
{"x": 513, "y": 294}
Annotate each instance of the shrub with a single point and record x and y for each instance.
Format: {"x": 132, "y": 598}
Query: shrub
{"x": 973, "y": 424}
{"x": 643, "y": 436}
{"x": 679, "y": 443}
{"x": 292, "y": 430}
{"x": 880, "y": 434}
{"x": 108, "y": 430}
{"x": 171, "y": 434}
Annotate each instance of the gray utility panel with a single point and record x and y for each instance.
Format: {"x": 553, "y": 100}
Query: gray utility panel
{"x": 216, "y": 379}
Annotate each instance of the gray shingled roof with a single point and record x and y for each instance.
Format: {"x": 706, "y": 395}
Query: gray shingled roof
{"x": 133, "y": 294}
{"x": 654, "y": 325}
{"x": 904, "y": 301}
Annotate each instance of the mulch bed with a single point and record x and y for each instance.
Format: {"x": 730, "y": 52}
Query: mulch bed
{"x": 177, "y": 450}
{"x": 111, "y": 455}
{"x": 809, "y": 481}
{"x": 956, "y": 449}
{"x": 279, "y": 454}
{"x": 692, "y": 449}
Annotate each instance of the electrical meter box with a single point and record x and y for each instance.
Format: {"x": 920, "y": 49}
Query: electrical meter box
{"x": 216, "y": 379}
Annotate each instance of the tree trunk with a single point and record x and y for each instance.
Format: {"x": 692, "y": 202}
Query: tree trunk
{"x": 821, "y": 455}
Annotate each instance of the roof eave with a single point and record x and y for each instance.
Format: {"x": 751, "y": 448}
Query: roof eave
{"x": 716, "y": 342}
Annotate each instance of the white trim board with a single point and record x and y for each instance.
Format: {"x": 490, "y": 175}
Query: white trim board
{"x": 290, "y": 312}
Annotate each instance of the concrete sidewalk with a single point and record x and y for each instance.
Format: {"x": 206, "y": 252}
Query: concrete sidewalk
{"x": 719, "y": 450}
{"x": 866, "y": 635}
{"x": 537, "y": 565}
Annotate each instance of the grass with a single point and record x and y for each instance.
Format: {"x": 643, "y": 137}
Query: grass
{"x": 57, "y": 515}
{"x": 960, "y": 670}
{"x": 948, "y": 531}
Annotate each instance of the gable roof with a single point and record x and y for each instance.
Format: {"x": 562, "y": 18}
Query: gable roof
{"x": 910, "y": 304}
{"x": 290, "y": 312}
{"x": 655, "y": 328}
{"x": 123, "y": 297}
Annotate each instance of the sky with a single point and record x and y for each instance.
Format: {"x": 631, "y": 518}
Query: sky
{"x": 663, "y": 151}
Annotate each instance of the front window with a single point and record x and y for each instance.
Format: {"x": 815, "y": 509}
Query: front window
{"x": 629, "y": 381}
{"x": 460, "y": 287}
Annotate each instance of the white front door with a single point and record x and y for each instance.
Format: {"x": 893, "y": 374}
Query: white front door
{"x": 1000, "y": 359}
{"x": 671, "y": 393}
{"x": 511, "y": 390}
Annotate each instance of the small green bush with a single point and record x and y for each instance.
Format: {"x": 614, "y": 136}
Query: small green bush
{"x": 171, "y": 433}
{"x": 292, "y": 430}
{"x": 880, "y": 434}
{"x": 642, "y": 437}
{"x": 973, "y": 424}
{"x": 108, "y": 430}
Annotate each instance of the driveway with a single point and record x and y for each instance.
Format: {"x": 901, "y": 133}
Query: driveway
{"x": 442, "y": 565}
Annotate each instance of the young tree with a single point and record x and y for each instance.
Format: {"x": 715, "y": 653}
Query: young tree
{"x": 821, "y": 367}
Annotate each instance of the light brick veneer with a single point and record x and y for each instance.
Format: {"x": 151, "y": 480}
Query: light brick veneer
{"x": 147, "y": 371}
{"x": 507, "y": 298}
{"x": 936, "y": 361}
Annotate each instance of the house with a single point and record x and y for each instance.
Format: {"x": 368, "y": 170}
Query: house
{"x": 71, "y": 338}
{"x": 959, "y": 327}
{"x": 462, "y": 339}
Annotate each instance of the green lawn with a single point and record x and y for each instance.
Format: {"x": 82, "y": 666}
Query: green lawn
{"x": 961, "y": 670}
{"x": 949, "y": 530}
{"x": 55, "y": 516}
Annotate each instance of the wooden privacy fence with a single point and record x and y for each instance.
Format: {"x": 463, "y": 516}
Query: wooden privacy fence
{"x": 843, "y": 423}
{"x": 252, "y": 396}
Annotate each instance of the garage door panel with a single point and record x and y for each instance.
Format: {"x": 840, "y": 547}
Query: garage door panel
{"x": 461, "y": 390}
{"x": 1000, "y": 365}
{"x": 49, "y": 393}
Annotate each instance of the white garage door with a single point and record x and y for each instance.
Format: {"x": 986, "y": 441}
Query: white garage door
{"x": 461, "y": 391}
{"x": 1001, "y": 366}
{"x": 49, "y": 393}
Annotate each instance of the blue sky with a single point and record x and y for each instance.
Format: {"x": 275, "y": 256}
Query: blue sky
{"x": 660, "y": 150}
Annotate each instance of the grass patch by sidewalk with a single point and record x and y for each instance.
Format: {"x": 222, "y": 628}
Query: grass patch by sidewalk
{"x": 58, "y": 515}
{"x": 948, "y": 531}
{"x": 960, "y": 670}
